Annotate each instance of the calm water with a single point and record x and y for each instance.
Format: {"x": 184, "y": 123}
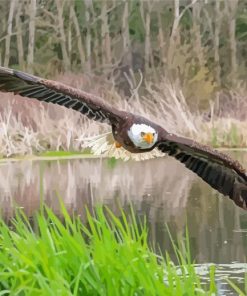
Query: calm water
{"x": 161, "y": 188}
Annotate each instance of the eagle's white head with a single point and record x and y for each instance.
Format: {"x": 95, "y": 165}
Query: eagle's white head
{"x": 142, "y": 135}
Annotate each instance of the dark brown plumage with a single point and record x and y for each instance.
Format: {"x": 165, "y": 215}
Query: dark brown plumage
{"x": 217, "y": 169}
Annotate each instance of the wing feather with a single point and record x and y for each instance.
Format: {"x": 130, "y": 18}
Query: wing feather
{"x": 54, "y": 92}
{"x": 217, "y": 169}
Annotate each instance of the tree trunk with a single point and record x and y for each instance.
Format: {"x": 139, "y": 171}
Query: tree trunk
{"x": 217, "y": 41}
{"x": 161, "y": 42}
{"x": 175, "y": 35}
{"x": 196, "y": 33}
{"x": 125, "y": 27}
{"x": 78, "y": 37}
{"x": 69, "y": 33}
{"x": 9, "y": 33}
{"x": 66, "y": 63}
{"x": 232, "y": 6}
{"x": 20, "y": 49}
{"x": 96, "y": 41}
{"x": 106, "y": 45}
{"x": 88, "y": 4}
{"x": 147, "y": 18}
{"x": 31, "y": 44}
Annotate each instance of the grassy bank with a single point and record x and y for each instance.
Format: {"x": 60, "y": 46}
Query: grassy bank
{"x": 104, "y": 256}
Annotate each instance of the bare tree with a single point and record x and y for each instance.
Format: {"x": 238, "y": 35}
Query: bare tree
{"x": 196, "y": 8}
{"x": 58, "y": 33}
{"x": 232, "y": 7}
{"x": 20, "y": 48}
{"x": 175, "y": 34}
{"x": 31, "y": 44}
{"x": 69, "y": 33}
{"x": 174, "y": 41}
{"x": 96, "y": 52}
{"x": 161, "y": 39}
{"x": 146, "y": 17}
{"x": 78, "y": 36}
{"x": 217, "y": 40}
{"x": 9, "y": 33}
{"x": 106, "y": 43}
{"x": 125, "y": 27}
{"x": 88, "y": 4}
{"x": 60, "y": 6}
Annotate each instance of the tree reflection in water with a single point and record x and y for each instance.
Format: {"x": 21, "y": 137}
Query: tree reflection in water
{"x": 161, "y": 188}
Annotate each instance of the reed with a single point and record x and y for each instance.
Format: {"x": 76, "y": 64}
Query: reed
{"x": 30, "y": 127}
{"x": 106, "y": 255}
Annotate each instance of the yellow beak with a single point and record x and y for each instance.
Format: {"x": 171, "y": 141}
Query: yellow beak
{"x": 148, "y": 137}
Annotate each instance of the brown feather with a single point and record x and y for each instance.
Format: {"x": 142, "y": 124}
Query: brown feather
{"x": 57, "y": 93}
{"x": 217, "y": 169}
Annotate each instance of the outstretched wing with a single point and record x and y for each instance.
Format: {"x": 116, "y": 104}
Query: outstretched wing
{"x": 54, "y": 92}
{"x": 217, "y": 169}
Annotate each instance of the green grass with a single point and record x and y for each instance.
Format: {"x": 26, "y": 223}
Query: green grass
{"x": 50, "y": 154}
{"x": 58, "y": 153}
{"x": 63, "y": 153}
{"x": 231, "y": 138}
{"x": 106, "y": 255}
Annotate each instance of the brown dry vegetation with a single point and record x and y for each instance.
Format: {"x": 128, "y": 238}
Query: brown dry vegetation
{"x": 27, "y": 126}
{"x": 181, "y": 63}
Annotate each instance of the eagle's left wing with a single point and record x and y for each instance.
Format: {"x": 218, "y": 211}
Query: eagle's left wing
{"x": 217, "y": 169}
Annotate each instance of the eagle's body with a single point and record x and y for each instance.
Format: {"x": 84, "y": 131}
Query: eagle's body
{"x": 136, "y": 133}
{"x": 121, "y": 131}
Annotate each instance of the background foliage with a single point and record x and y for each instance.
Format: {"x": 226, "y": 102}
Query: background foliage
{"x": 201, "y": 43}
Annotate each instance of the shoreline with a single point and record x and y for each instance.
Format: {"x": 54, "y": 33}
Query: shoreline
{"x": 66, "y": 155}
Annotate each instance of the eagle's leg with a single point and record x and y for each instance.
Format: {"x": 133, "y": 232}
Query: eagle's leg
{"x": 117, "y": 145}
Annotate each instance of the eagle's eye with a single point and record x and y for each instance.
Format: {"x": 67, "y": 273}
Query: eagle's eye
{"x": 142, "y": 134}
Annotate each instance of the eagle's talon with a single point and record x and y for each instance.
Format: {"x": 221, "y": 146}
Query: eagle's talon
{"x": 117, "y": 145}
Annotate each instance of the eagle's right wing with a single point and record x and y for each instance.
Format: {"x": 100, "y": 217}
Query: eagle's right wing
{"x": 49, "y": 91}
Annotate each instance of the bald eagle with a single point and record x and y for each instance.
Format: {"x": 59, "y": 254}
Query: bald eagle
{"x": 135, "y": 133}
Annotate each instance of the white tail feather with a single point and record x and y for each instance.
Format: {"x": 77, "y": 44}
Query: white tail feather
{"x": 104, "y": 145}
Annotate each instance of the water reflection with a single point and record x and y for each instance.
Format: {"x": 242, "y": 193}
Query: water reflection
{"x": 161, "y": 188}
